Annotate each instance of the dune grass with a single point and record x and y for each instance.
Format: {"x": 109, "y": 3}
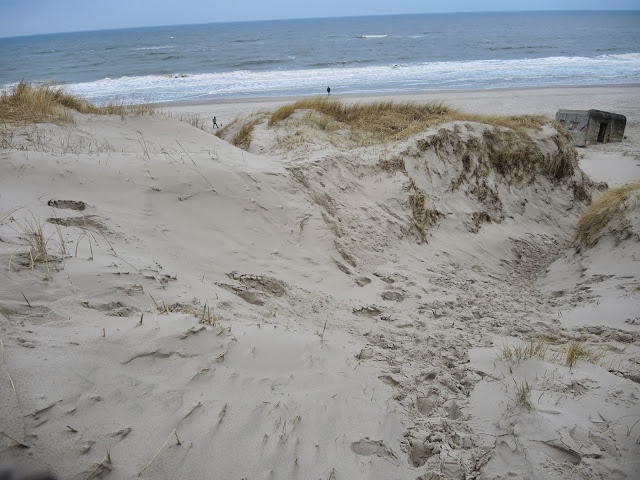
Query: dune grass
{"x": 600, "y": 213}
{"x": 388, "y": 120}
{"x": 193, "y": 119}
{"x": 31, "y": 231}
{"x": 508, "y": 145}
{"x": 27, "y": 103}
{"x": 556, "y": 352}
{"x": 242, "y": 139}
{"x": 523, "y": 394}
{"x": 524, "y": 350}
{"x": 577, "y": 350}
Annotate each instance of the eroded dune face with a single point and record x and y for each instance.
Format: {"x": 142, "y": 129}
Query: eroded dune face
{"x": 314, "y": 308}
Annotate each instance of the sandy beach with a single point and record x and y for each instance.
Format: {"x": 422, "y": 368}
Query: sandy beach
{"x": 309, "y": 307}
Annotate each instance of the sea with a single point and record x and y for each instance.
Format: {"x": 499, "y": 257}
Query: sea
{"x": 351, "y": 55}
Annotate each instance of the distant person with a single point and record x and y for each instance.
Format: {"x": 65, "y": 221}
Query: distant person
{"x": 215, "y": 123}
{"x": 328, "y": 91}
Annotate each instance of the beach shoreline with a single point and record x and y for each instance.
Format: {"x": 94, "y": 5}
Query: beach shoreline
{"x": 398, "y": 96}
{"x": 623, "y": 99}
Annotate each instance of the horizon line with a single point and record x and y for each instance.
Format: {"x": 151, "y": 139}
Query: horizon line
{"x": 110, "y": 29}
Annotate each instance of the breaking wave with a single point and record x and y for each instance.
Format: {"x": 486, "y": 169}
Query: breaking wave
{"x": 478, "y": 74}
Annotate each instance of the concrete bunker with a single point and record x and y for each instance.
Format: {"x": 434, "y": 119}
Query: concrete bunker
{"x": 588, "y": 127}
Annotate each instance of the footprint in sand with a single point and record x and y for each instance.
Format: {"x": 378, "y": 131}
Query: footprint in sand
{"x": 67, "y": 204}
{"x": 113, "y": 309}
{"x": 367, "y": 447}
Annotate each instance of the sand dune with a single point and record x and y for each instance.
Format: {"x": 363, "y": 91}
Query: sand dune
{"x": 172, "y": 306}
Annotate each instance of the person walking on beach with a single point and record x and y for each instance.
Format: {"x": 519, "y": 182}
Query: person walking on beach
{"x": 215, "y": 123}
{"x": 328, "y": 91}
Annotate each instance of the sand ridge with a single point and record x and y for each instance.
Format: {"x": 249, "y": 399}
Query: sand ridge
{"x": 321, "y": 311}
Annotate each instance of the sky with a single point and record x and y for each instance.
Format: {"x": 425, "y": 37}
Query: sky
{"x": 28, "y": 17}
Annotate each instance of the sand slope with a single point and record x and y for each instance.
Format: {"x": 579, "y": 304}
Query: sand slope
{"x": 306, "y": 308}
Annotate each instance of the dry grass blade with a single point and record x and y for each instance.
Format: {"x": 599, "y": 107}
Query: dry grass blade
{"x": 17, "y": 442}
{"x": 198, "y": 405}
{"x": 143, "y": 144}
{"x": 187, "y": 153}
{"x": 102, "y": 467}
{"x": 6, "y": 217}
{"x": 205, "y": 179}
{"x": 13, "y": 387}
{"x": 160, "y": 450}
{"x": 324, "y": 329}
{"x": 26, "y": 300}
{"x": 222, "y": 413}
{"x": 154, "y": 302}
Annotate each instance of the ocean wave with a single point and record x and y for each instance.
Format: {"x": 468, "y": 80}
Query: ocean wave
{"x": 255, "y": 63}
{"x": 157, "y": 47}
{"x": 548, "y": 71}
{"x": 372, "y": 36}
{"x": 620, "y": 56}
{"x": 522, "y": 47}
{"x": 150, "y": 53}
{"x": 339, "y": 63}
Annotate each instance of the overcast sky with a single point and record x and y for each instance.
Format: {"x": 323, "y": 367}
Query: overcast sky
{"x": 26, "y": 17}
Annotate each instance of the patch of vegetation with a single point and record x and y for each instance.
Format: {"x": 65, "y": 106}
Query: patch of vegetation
{"x": 193, "y": 119}
{"x": 332, "y": 108}
{"x": 610, "y": 205}
{"x": 388, "y": 120}
{"x": 26, "y": 103}
{"x": 509, "y": 155}
{"x": 522, "y": 351}
{"x": 575, "y": 351}
{"x": 507, "y": 146}
{"x": 424, "y": 217}
{"x": 523, "y": 394}
{"x": 514, "y": 155}
{"x": 568, "y": 354}
{"x": 564, "y": 163}
{"x": 392, "y": 165}
{"x": 242, "y": 139}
